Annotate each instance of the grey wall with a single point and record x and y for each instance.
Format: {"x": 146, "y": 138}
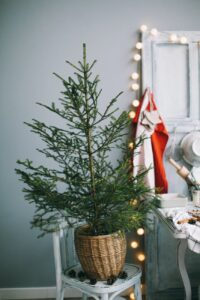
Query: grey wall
{"x": 36, "y": 37}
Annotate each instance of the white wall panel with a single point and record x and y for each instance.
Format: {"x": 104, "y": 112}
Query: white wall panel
{"x": 170, "y": 81}
{"x": 171, "y": 70}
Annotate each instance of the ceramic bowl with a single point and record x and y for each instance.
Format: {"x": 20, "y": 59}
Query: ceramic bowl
{"x": 190, "y": 146}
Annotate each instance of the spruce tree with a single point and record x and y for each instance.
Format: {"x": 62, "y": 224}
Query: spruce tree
{"x": 95, "y": 190}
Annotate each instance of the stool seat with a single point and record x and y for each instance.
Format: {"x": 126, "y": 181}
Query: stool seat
{"x": 101, "y": 287}
{"x": 100, "y": 290}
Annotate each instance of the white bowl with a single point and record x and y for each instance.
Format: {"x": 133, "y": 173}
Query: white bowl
{"x": 173, "y": 200}
{"x": 190, "y": 146}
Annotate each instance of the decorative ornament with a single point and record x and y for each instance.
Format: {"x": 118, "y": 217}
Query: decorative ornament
{"x": 93, "y": 281}
{"x": 111, "y": 280}
{"x": 123, "y": 275}
{"x": 72, "y": 273}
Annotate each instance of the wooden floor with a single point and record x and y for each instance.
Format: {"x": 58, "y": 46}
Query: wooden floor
{"x": 126, "y": 298}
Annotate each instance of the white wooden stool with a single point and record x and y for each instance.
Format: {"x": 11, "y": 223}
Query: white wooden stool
{"x": 66, "y": 260}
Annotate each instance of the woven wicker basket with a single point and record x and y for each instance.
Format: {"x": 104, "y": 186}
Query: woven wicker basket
{"x": 101, "y": 256}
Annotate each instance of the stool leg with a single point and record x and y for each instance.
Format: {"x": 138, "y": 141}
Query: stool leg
{"x": 104, "y": 296}
{"x": 58, "y": 267}
{"x": 137, "y": 291}
{"x": 60, "y": 293}
{"x": 84, "y": 296}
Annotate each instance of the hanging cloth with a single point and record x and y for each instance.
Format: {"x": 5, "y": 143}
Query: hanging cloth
{"x": 159, "y": 141}
{"x": 148, "y": 116}
{"x": 143, "y": 159}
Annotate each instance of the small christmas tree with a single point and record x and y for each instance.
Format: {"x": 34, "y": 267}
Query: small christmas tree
{"x": 96, "y": 190}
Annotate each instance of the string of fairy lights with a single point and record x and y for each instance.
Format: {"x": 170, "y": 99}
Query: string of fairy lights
{"x": 135, "y": 76}
{"x": 136, "y": 88}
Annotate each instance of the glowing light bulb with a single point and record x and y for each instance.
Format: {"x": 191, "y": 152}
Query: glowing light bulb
{"x": 131, "y": 145}
{"x": 140, "y": 231}
{"x": 134, "y": 244}
{"x": 133, "y": 202}
{"x": 154, "y": 31}
{"x": 135, "y": 76}
{"x": 141, "y": 257}
{"x": 132, "y": 296}
{"x": 173, "y": 37}
{"x": 183, "y": 40}
{"x": 135, "y": 86}
{"x": 136, "y": 103}
{"x": 143, "y": 28}
{"x": 132, "y": 114}
{"x": 137, "y": 57}
{"x": 138, "y": 46}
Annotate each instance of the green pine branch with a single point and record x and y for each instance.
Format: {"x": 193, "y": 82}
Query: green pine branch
{"x": 85, "y": 185}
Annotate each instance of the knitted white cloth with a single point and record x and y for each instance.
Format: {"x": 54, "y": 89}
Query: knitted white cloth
{"x": 192, "y": 231}
{"x": 144, "y": 158}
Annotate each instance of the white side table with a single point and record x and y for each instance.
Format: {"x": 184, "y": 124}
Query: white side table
{"x": 181, "y": 250}
{"x": 101, "y": 290}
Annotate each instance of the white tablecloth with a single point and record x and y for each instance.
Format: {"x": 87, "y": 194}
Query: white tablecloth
{"x": 192, "y": 231}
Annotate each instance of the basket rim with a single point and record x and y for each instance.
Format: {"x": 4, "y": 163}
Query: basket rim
{"x": 118, "y": 233}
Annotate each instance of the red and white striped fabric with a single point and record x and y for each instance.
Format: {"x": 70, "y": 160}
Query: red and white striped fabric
{"x": 149, "y": 123}
{"x": 144, "y": 157}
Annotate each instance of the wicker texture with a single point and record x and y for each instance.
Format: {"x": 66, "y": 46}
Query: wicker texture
{"x": 102, "y": 256}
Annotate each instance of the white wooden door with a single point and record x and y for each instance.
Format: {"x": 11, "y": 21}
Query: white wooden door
{"x": 171, "y": 70}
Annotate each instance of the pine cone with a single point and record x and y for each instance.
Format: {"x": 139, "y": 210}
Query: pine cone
{"x": 93, "y": 281}
{"x": 72, "y": 273}
{"x": 123, "y": 275}
{"x": 111, "y": 280}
